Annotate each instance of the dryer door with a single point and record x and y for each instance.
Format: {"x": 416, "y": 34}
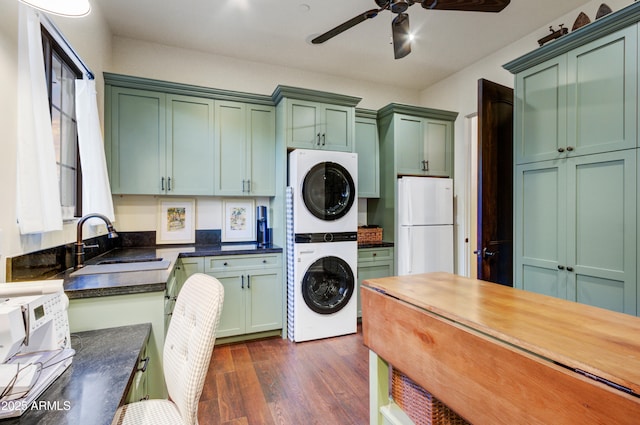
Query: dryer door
{"x": 328, "y": 285}
{"x": 328, "y": 191}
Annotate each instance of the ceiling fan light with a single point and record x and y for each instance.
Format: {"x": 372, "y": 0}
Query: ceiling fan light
{"x": 401, "y": 36}
{"x": 67, "y": 8}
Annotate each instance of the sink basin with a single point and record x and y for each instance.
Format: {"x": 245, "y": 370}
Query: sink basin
{"x": 128, "y": 261}
{"x": 120, "y": 266}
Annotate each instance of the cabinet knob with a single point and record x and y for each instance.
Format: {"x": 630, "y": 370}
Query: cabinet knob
{"x": 264, "y": 261}
{"x": 560, "y": 267}
{"x": 225, "y": 264}
{"x": 375, "y": 254}
{"x": 560, "y": 150}
{"x": 569, "y": 269}
{"x": 569, "y": 148}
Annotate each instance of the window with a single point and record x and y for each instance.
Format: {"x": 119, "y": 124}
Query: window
{"x": 61, "y": 73}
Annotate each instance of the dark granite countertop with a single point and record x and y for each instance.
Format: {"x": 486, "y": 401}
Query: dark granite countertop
{"x": 122, "y": 283}
{"x": 96, "y": 384}
{"x": 381, "y": 244}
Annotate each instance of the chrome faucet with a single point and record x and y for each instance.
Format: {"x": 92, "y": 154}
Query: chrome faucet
{"x": 80, "y": 246}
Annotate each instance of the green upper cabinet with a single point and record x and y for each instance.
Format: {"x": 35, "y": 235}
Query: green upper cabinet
{"x": 245, "y": 149}
{"x": 137, "y": 154}
{"x": 602, "y": 94}
{"x": 368, "y": 150}
{"x": 580, "y": 102}
{"x": 165, "y": 138}
{"x": 316, "y": 120}
{"x": 160, "y": 143}
{"x": 424, "y": 146}
{"x": 541, "y": 121}
{"x": 190, "y": 154}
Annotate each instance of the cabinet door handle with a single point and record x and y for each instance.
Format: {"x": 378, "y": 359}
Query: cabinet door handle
{"x": 560, "y": 150}
{"x": 248, "y": 186}
{"x": 569, "y": 148}
{"x": 144, "y": 366}
{"x": 569, "y": 269}
{"x": 318, "y": 142}
{"x": 168, "y": 183}
{"x": 243, "y": 186}
{"x": 323, "y": 139}
{"x": 560, "y": 267}
{"x": 248, "y": 282}
{"x": 242, "y": 284}
{"x": 162, "y": 184}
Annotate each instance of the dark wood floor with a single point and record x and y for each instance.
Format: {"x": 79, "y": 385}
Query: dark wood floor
{"x": 275, "y": 381}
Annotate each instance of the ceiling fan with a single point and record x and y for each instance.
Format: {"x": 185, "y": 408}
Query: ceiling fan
{"x": 400, "y": 24}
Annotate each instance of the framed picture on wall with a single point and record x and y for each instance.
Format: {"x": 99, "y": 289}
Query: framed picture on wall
{"x": 176, "y": 221}
{"x": 238, "y": 220}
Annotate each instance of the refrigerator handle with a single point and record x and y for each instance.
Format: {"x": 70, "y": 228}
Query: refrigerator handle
{"x": 405, "y": 248}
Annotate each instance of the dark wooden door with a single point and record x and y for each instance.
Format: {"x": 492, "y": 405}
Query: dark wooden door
{"x": 495, "y": 183}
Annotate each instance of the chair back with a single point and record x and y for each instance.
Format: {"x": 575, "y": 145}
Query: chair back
{"x": 189, "y": 342}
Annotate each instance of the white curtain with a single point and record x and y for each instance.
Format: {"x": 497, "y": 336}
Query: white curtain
{"x": 96, "y": 191}
{"x": 38, "y": 195}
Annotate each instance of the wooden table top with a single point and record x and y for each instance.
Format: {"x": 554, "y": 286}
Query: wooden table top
{"x": 594, "y": 340}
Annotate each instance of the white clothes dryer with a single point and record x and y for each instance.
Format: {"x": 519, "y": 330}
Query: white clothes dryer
{"x": 325, "y": 191}
{"x": 321, "y": 295}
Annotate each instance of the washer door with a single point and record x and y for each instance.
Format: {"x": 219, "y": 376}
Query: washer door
{"x": 328, "y": 285}
{"x": 328, "y": 191}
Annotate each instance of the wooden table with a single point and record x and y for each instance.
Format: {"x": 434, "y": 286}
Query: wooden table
{"x": 499, "y": 355}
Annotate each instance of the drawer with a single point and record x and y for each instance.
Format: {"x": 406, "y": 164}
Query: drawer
{"x": 240, "y": 262}
{"x": 375, "y": 254}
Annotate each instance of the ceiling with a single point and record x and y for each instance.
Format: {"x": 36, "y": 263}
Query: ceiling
{"x": 278, "y": 32}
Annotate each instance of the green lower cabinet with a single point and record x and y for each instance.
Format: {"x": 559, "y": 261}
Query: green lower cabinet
{"x": 184, "y": 268}
{"x": 253, "y": 294}
{"x": 139, "y": 389}
{"x": 576, "y": 229}
{"x": 373, "y": 263}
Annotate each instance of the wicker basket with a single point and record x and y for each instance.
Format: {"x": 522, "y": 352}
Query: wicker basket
{"x": 422, "y": 407}
{"x": 369, "y": 234}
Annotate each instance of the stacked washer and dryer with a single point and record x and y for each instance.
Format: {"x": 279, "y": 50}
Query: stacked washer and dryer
{"x": 322, "y": 248}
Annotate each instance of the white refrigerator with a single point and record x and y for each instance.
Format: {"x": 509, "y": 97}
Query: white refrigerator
{"x": 425, "y": 225}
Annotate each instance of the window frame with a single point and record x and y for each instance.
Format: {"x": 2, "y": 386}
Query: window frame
{"x": 50, "y": 46}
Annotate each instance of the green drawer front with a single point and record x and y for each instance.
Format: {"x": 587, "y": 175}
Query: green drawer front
{"x": 240, "y": 262}
{"x": 375, "y": 254}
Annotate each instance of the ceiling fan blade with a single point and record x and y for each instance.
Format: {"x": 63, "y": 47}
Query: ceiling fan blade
{"x": 466, "y": 5}
{"x": 346, "y": 25}
{"x": 400, "y": 35}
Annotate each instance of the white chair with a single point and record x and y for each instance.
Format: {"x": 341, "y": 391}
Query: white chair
{"x": 187, "y": 353}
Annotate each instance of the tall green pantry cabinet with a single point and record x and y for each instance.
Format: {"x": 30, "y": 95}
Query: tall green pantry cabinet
{"x": 576, "y": 204}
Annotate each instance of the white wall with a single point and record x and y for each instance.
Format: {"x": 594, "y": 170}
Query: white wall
{"x": 459, "y": 93}
{"x": 143, "y": 59}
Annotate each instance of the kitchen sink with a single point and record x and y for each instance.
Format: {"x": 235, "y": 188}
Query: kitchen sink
{"x": 123, "y": 265}
{"x": 128, "y": 261}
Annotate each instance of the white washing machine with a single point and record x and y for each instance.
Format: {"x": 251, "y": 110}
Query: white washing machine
{"x": 322, "y": 301}
{"x": 325, "y": 191}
